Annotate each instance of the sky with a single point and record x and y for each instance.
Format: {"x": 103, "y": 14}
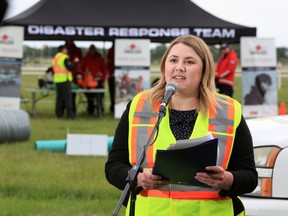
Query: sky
{"x": 269, "y": 17}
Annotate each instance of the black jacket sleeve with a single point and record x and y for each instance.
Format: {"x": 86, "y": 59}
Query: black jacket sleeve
{"x": 242, "y": 164}
{"x": 118, "y": 165}
{"x": 70, "y": 66}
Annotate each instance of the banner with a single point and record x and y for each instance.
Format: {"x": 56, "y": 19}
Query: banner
{"x": 132, "y": 70}
{"x": 209, "y": 34}
{"x": 11, "y": 53}
{"x": 259, "y": 77}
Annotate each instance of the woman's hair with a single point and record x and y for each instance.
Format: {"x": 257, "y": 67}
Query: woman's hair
{"x": 207, "y": 92}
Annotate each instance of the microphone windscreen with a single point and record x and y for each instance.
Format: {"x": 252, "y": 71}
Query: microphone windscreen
{"x": 172, "y": 86}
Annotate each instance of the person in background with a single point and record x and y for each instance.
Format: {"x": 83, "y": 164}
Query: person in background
{"x": 93, "y": 63}
{"x": 194, "y": 110}
{"x": 111, "y": 77}
{"x": 74, "y": 53}
{"x": 62, "y": 68}
{"x": 225, "y": 70}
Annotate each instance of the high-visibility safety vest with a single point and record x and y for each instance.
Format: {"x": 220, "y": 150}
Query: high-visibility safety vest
{"x": 174, "y": 199}
{"x": 61, "y": 73}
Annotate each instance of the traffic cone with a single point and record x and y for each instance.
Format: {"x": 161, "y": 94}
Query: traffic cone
{"x": 282, "y": 109}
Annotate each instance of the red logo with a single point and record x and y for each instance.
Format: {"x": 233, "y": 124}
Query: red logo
{"x": 5, "y": 37}
{"x": 258, "y": 48}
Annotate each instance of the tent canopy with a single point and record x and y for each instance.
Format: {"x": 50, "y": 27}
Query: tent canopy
{"x": 106, "y": 20}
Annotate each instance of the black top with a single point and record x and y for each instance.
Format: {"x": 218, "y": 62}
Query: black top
{"x": 241, "y": 163}
{"x": 182, "y": 123}
{"x": 69, "y": 65}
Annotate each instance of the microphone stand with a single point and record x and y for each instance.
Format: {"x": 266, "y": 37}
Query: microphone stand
{"x": 132, "y": 174}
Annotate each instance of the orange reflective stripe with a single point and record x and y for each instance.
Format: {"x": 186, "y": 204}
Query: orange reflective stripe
{"x": 203, "y": 195}
{"x": 183, "y": 195}
{"x": 134, "y": 146}
{"x": 231, "y": 114}
{"x": 231, "y": 110}
{"x": 230, "y": 130}
{"x": 211, "y": 127}
{"x": 227, "y": 152}
{"x": 212, "y": 114}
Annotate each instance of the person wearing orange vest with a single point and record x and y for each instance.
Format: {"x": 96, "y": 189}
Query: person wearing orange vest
{"x": 225, "y": 70}
{"x": 62, "y": 78}
{"x": 194, "y": 110}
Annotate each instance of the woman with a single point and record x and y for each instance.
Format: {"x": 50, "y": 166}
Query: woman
{"x": 194, "y": 110}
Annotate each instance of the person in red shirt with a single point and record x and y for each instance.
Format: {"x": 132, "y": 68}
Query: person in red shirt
{"x": 225, "y": 70}
{"x": 74, "y": 52}
{"x": 93, "y": 63}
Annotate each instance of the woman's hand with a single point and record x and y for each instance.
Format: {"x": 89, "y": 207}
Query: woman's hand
{"x": 149, "y": 181}
{"x": 216, "y": 178}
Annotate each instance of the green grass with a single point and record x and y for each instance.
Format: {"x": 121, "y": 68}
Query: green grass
{"x": 34, "y": 182}
{"x": 46, "y": 183}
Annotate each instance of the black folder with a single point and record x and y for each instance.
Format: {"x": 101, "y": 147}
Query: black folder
{"x": 181, "y": 165}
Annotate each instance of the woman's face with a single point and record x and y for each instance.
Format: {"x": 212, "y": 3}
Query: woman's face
{"x": 184, "y": 67}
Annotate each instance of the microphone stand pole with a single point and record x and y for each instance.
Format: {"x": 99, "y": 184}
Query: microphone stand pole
{"x": 132, "y": 174}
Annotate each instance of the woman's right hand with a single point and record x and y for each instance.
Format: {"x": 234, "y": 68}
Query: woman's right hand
{"x": 148, "y": 181}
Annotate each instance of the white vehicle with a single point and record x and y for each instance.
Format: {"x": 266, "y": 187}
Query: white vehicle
{"x": 270, "y": 140}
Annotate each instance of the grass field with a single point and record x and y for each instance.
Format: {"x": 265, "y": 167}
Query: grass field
{"x": 45, "y": 183}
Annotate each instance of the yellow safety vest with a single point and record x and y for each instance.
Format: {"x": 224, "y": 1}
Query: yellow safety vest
{"x": 172, "y": 199}
{"x": 61, "y": 73}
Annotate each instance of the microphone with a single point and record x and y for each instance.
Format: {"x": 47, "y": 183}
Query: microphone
{"x": 170, "y": 89}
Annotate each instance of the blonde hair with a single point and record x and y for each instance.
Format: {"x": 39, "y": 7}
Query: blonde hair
{"x": 207, "y": 92}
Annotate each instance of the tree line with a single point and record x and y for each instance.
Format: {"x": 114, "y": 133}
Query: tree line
{"x": 40, "y": 56}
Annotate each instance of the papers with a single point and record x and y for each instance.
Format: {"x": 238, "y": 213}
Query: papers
{"x": 186, "y": 158}
{"x": 180, "y": 144}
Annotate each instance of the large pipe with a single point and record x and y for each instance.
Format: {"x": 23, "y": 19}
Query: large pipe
{"x": 14, "y": 125}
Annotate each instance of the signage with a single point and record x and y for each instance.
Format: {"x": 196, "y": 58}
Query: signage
{"x": 259, "y": 77}
{"x": 11, "y": 53}
{"x": 132, "y": 70}
{"x": 129, "y": 32}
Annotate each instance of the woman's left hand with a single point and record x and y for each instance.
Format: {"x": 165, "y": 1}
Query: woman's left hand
{"x": 216, "y": 177}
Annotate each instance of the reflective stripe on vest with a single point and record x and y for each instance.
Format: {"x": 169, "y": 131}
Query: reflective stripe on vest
{"x": 61, "y": 74}
{"x": 222, "y": 126}
{"x": 143, "y": 123}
